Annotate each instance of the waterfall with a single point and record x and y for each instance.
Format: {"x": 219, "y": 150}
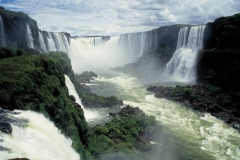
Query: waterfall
{"x": 29, "y": 37}
{"x": 2, "y": 35}
{"x": 142, "y": 44}
{"x": 59, "y": 43}
{"x": 182, "y": 65}
{"x": 34, "y": 137}
{"x": 98, "y": 41}
{"x": 66, "y": 43}
{"x": 72, "y": 90}
{"x": 51, "y": 43}
{"x": 129, "y": 44}
{"x": 42, "y": 44}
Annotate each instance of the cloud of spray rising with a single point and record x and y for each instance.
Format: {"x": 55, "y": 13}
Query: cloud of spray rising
{"x": 87, "y": 57}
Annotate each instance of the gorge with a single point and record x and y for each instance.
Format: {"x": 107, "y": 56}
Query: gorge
{"x": 167, "y": 56}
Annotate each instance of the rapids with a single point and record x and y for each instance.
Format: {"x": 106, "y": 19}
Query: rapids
{"x": 194, "y": 135}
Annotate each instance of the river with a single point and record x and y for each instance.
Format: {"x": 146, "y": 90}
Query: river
{"x": 194, "y": 135}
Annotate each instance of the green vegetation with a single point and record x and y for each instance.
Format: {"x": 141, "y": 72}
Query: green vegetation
{"x": 93, "y": 100}
{"x": 36, "y": 82}
{"x": 130, "y": 134}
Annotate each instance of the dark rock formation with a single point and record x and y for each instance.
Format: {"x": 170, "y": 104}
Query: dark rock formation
{"x": 219, "y": 62}
{"x": 5, "y": 127}
{"x": 85, "y": 77}
{"x": 15, "y": 27}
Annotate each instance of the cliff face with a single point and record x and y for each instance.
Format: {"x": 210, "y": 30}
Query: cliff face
{"x": 219, "y": 62}
{"x": 15, "y": 28}
{"x": 141, "y": 43}
{"x": 20, "y": 31}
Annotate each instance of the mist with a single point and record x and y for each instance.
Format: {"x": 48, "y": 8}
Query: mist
{"x": 99, "y": 57}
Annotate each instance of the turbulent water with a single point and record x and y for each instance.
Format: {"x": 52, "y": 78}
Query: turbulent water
{"x": 36, "y": 138}
{"x": 93, "y": 116}
{"x": 193, "y": 135}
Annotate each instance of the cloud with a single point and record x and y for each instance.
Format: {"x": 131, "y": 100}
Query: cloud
{"x": 118, "y": 17}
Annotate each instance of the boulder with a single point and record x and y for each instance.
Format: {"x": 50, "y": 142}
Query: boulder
{"x": 6, "y": 127}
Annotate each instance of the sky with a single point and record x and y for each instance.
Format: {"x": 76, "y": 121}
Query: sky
{"x": 115, "y": 17}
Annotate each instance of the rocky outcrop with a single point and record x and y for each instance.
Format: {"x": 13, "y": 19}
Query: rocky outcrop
{"x": 219, "y": 62}
{"x": 15, "y": 28}
{"x": 85, "y": 77}
{"x": 210, "y": 99}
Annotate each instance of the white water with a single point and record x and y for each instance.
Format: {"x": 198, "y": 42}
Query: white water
{"x": 194, "y": 135}
{"x": 42, "y": 44}
{"x": 66, "y": 43}
{"x": 2, "y": 34}
{"x": 36, "y": 139}
{"x": 29, "y": 37}
{"x": 58, "y": 42}
{"x": 142, "y": 44}
{"x": 93, "y": 116}
{"x": 87, "y": 57}
{"x": 182, "y": 66}
{"x": 51, "y": 44}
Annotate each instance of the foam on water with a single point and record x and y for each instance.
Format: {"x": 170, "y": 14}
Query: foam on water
{"x": 201, "y": 135}
{"x": 38, "y": 140}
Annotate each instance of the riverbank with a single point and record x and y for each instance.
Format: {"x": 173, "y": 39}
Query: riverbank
{"x": 207, "y": 99}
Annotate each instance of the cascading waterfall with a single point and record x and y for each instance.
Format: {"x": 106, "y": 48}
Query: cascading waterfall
{"x": 182, "y": 66}
{"x": 72, "y": 90}
{"x": 66, "y": 43}
{"x": 90, "y": 115}
{"x": 129, "y": 43}
{"x": 97, "y": 41}
{"x": 34, "y": 137}
{"x": 41, "y": 40}
{"x": 58, "y": 42}
{"x": 142, "y": 43}
{"x": 2, "y": 34}
{"x": 29, "y": 37}
{"x": 51, "y": 44}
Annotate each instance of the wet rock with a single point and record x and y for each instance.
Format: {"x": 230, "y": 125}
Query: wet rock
{"x": 152, "y": 88}
{"x": 77, "y": 105}
{"x": 213, "y": 100}
{"x": 112, "y": 114}
{"x": 6, "y": 127}
{"x": 4, "y": 149}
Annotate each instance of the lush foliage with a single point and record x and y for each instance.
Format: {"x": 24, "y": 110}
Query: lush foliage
{"x": 36, "y": 82}
{"x": 129, "y": 134}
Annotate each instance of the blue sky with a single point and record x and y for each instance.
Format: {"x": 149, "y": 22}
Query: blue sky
{"x": 114, "y": 17}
